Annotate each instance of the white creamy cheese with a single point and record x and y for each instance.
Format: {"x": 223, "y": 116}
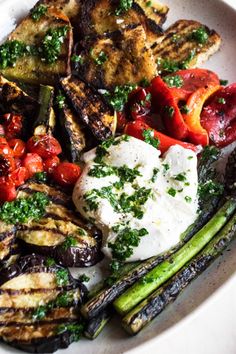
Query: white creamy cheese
{"x": 169, "y": 183}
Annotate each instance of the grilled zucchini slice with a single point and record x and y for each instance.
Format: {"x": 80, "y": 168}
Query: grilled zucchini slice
{"x": 117, "y": 59}
{"x": 14, "y": 99}
{"x": 7, "y": 240}
{"x": 46, "y": 120}
{"x": 39, "y": 305}
{"x": 91, "y": 108}
{"x": 31, "y": 68}
{"x": 99, "y": 17}
{"x": 186, "y": 44}
{"x": 73, "y": 133}
{"x": 61, "y": 233}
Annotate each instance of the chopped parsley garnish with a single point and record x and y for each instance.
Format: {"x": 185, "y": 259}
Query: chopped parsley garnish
{"x": 176, "y": 38}
{"x": 174, "y": 81}
{"x": 181, "y": 177}
{"x": 221, "y": 100}
{"x": 24, "y": 209}
{"x": 150, "y": 139}
{"x": 126, "y": 240}
{"x": 169, "y": 110}
{"x": 60, "y": 100}
{"x": 185, "y": 109}
{"x": 144, "y": 82}
{"x": 172, "y": 192}
{"x": 69, "y": 242}
{"x": 224, "y": 82}
{"x": 10, "y": 52}
{"x": 209, "y": 152}
{"x": 154, "y": 174}
{"x": 84, "y": 278}
{"x": 101, "y": 58}
{"x": 41, "y": 176}
{"x": 166, "y": 167}
{"x": 62, "y": 277}
{"x": 123, "y": 204}
{"x": 149, "y": 4}
{"x": 124, "y": 6}
{"x": 39, "y": 313}
{"x": 102, "y": 149}
{"x": 199, "y": 35}
{"x": 38, "y": 12}
{"x": 62, "y": 300}
{"x": 50, "y": 48}
{"x": 75, "y": 330}
{"x": 50, "y": 262}
{"x": 188, "y": 199}
{"x": 77, "y": 59}
{"x": 119, "y": 96}
{"x": 210, "y": 188}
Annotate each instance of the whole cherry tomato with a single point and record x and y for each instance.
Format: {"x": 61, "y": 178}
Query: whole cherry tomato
{"x": 33, "y": 163}
{"x": 18, "y": 147}
{"x": 19, "y": 176}
{"x": 50, "y": 164}
{"x": 44, "y": 145}
{"x": 7, "y": 165}
{"x": 66, "y": 173}
{"x": 7, "y": 191}
{"x": 13, "y": 124}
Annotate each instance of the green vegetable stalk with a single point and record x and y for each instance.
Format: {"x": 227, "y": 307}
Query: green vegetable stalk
{"x": 162, "y": 272}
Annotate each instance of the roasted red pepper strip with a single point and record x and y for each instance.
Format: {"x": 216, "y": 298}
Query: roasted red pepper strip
{"x": 164, "y": 103}
{"x": 219, "y": 116}
{"x": 138, "y": 127}
{"x": 192, "y": 80}
{"x": 196, "y": 133}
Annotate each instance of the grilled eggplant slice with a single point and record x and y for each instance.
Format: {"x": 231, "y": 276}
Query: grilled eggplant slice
{"x": 91, "y": 108}
{"x": 7, "y": 240}
{"x": 73, "y": 133}
{"x": 39, "y": 305}
{"x": 31, "y": 68}
{"x": 119, "y": 58}
{"x": 60, "y": 234}
{"x": 14, "y": 99}
{"x": 186, "y": 44}
{"x": 46, "y": 121}
{"x": 71, "y": 8}
{"x": 99, "y": 17}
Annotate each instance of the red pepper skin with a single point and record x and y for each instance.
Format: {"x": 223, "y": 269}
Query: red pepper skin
{"x": 196, "y": 133}
{"x": 219, "y": 116}
{"x": 193, "y": 79}
{"x": 164, "y": 103}
{"x": 137, "y": 128}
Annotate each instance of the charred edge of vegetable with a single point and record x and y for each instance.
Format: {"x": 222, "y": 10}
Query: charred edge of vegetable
{"x": 157, "y": 302}
{"x": 70, "y": 257}
{"x": 230, "y": 173}
{"x": 96, "y": 324}
{"x": 44, "y": 345}
{"x": 46, "y": 120}
{"x": 30, "y": 264}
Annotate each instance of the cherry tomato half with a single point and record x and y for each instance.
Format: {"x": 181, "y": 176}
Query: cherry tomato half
{"x": 7, "y": 165}
{"x": 33, "y": 163}
{"x": 19, "y": 176}
{"x": 44, "y": 145}
{"x": 5, "y": 148}
{"x": 50, "y": 164}
{"x": 7, "y": 191}
{"x": 66, "y": 173}
{"x": 18, "y": 147}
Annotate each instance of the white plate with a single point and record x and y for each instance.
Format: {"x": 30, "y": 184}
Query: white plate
{"x": 194, "y": 316}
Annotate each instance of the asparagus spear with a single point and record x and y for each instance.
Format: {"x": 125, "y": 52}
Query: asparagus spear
{"x": 46, "y": 120}
{"x": 162, "y": 272}
{"x": 151, "y": 307}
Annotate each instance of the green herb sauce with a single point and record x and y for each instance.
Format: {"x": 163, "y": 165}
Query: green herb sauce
{"x": 50, "y": 48}
{"x": 38, "y": 12}
{"x": 149, "y": 138}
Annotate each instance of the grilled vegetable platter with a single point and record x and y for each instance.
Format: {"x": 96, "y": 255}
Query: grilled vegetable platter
{"x": 111, "y": 137}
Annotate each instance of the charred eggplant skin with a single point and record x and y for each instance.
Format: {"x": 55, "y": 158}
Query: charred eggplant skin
{"x": 47, "y": 323}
